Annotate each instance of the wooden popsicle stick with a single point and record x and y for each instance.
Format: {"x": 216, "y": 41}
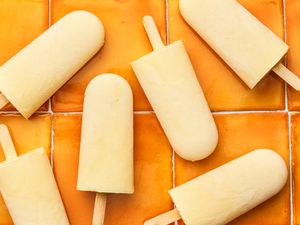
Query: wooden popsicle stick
{"x": 166, "y": 218}
{"x": 99, "y": 209}
{"x": 3, "y": 101}
{"x": 152, "y": 32}
{"x": 7, "y": 143}
{"x": 287, "y": 75}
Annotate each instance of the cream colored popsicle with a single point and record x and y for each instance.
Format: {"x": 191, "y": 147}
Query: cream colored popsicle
{"x": 170, "y": 83}
{"x": 34, "y": 74}
{"x": 106, "y": 150}
{"x": 28, "y": 186}
{"x": 228, "y": 191}
{"x": 242, "y": 41}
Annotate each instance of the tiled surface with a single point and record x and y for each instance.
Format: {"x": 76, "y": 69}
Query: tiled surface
{"x": 21, "y": 22}
{"x": 240, "y": 131}
{"x": 293, "y": 39}
{"x": 27, "y": 136}
{"x": 153, "y": 174}
{"x": 125, "y": 42}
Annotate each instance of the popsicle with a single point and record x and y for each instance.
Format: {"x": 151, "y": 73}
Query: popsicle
{"x": 28, "y": 186}
{"x": 250, "y": 48}
{"x": 225, "y": 193}
{"x": 106, "y": 150}
{"x": 34, "y": 74}
{"x": 170, "y": 83}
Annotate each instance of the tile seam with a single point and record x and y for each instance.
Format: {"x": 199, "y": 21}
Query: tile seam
{"x": 173, "y": 152}
{"x": 50, "y": 100}
{"x": 291, "y": 192}
{"x": 291, "y": 170}
{"x": 150, "y": 112}
{"x": 286, "y": 100}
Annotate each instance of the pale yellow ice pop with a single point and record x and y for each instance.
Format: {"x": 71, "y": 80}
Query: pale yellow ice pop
{"x": 170, "y": 83}
{"x": 34, "y": 74}
{"x": 228, "y": 191}
{"x": 106, "y": 150}
{"x": 28, "y": 186}
{"x": 242, "y": 41}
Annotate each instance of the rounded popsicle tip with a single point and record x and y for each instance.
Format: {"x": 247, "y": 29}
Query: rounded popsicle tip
{"x": 89, "y": 24}
{"x": 199, "y": 146}
{"x": 110, "y": 85}
{"x": 272, "y": 161}
{"x": 108, "y": 81}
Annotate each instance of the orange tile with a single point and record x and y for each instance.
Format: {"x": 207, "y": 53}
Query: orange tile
{"x": 239, "y": 134}
{"x": 153, "y": 174}
{"x": 21, "y": 22}
{"x": 27, "y": 135}
{"x": 296, "y": 165}
{"x": 293, "y": 40}
{"x": 219, "y": 82}
{"x": 126, "y": 41}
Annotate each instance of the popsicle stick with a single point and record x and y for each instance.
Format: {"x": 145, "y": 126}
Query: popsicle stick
{"x": 152, "y": 32}
{"x": 3, "y": 101}
{"x": 7, "y": 143}
{"x": 166, "y": 218}
{"x": 99, "y": 209}
{"x": 288, "y": 76}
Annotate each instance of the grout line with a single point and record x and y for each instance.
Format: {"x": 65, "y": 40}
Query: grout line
{"x": 173, "y": 178}
{"x": 17, "y": 113}
{"x": 291, "y": 169}
{"x": 52, "y": 141}
{"x": 247, "y": 112}
{"x": 289, "y": 121}
{"x": 286, "y": 99}
{"x": 167, "y": 22}
{"x": 50, "y": 100}
{"x": 173, "y": 152}
{"x": 285, "y": 58}
{"x": 79, "y": 113}
{"x": 229, "y": 112}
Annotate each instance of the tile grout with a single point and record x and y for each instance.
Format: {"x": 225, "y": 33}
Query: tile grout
{"x": 291, "y": 169}
{"x": 289, "y": 123}
{"x": 50, "y": 100}
{"x": 173, "y": 151}
{"x": 152, "y": 112}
